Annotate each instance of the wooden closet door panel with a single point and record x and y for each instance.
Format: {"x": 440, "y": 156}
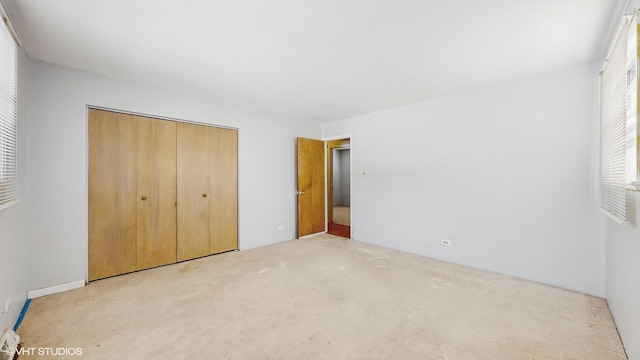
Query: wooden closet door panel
{"x": 224, "y": 189}
{"x": 311, "y": 186}
{"x": 193, "y": 191}
{"x": 112, "y": 194}
{"x": 156, "y": 198}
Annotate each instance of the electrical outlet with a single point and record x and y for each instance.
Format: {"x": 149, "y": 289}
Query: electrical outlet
{"x": 446, "y": 242}
{"x": 7, "y": 305}
{"x": 281, "y": 228}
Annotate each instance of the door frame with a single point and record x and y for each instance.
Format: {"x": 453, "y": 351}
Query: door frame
{"x": 326, "y": 180}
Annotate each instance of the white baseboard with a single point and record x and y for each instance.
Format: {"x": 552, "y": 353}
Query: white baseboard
{"x": 54, "y": 289}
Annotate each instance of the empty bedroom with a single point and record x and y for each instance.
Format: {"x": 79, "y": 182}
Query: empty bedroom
{"x": 408, "y": 179}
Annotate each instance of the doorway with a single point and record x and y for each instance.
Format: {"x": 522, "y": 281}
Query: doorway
{"x": 339, "y": 187}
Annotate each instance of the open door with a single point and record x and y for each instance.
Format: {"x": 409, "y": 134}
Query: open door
{"x": 311, "y": 189}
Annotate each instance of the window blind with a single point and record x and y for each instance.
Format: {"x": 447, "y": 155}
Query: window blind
{"x": 613, "y": 116}
{"x": 8, "y": 119}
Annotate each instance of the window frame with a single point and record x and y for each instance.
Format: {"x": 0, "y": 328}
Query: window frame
{"x": 9, "y": 178}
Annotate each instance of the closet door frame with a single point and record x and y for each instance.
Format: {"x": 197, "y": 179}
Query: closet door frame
{"x": 125, "y": 112}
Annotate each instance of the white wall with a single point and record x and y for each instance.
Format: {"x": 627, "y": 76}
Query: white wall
{"x": 507, "y": 173}
{"x": 58, "y": 164}
{"x": 345, "y": 177}
{"x": 623, "y": 275}
{"x": 14, "y": 220}
{"x": 335, "y": 180}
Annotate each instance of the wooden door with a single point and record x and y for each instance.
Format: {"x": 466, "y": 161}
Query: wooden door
{"x": 193, "y": 191}
{"x": 224, "y": 190}
{"x": 112, "y": 194}
{"x": 311, "y": 189}
{"x": 156, "y": 193}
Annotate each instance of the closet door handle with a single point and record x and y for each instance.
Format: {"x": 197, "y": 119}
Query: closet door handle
{"x": 143, "y": 198}
{"x": 204, "y": 195}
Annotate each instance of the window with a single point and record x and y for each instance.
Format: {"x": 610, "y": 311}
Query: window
{"x": 8, "y": 118}
{"x": 619, "y": 170}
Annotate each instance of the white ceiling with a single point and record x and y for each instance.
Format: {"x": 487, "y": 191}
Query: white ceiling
{"x": 322, "y": 60}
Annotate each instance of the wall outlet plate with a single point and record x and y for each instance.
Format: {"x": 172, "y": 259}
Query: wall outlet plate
{"x": 445, "y": 242}
{"x": 281, "y": 228}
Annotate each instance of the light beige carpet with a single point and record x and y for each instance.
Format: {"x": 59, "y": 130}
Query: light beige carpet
{"x": 321, "y": 298}
{"x": 342, "y": 215}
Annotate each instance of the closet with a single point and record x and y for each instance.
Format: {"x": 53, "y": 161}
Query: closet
{"x": 159, "y": 192}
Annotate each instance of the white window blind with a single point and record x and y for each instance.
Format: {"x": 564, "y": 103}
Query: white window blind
{"x": 613, "y": 120}
{"x": 8, "y": 119}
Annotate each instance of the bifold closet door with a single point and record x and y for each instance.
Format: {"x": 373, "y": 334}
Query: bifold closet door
{"x": 112, "y": 194}
{"x": 193, "y": 191}
{"x": 156, "y": 193}
{"x": 159, "y": 192}
{"x": 224, "y": 189}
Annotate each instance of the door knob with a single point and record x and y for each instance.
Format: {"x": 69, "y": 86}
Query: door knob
{"x": 143, "y": 198}
{"x": 300, "y": 192}
{"x": 204, "y": 195}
